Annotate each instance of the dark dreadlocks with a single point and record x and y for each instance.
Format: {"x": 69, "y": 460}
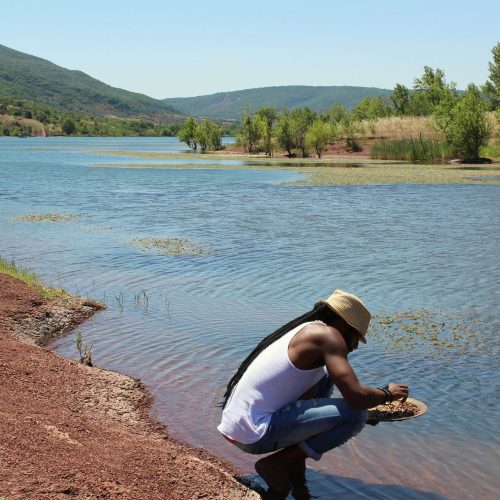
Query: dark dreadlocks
{"x": 320, "y": 311}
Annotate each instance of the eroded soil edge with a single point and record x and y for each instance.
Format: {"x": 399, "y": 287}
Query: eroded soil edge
{"x": 70, "y": 430}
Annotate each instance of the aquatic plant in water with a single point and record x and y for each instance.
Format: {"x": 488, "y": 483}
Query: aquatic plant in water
{"x": 47, "y": 217}
{"x": 173, "y": 246}
{"x": 83, "y": 349}
{"x": 415, "y": 328}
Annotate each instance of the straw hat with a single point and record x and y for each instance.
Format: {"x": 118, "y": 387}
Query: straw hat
{"x": 351, "y": 310}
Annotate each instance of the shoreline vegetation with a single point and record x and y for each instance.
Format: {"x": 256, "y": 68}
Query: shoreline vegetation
{"x": 431, "y": 123}
{"x": 93, "y": 424}
{"x": 331, "y": 170}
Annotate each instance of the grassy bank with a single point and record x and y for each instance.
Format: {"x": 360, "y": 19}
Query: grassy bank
{"x": 30, "y": 278}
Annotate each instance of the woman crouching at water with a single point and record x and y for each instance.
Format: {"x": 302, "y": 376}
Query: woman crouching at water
{"x": 280, "y": 397}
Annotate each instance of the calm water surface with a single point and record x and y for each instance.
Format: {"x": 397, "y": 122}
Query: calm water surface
{"x": 275, "y": 250}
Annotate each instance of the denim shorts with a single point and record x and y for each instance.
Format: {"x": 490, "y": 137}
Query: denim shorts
{"x": 316, "y": 425}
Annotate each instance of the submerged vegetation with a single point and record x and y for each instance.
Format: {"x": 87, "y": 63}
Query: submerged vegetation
{"x": 423, "y": 328}
{"x": 402, "y": 173}
{"x": 326, "y": 172}
{"x": 47, "y": 217}
{"x": 173, "y": 246}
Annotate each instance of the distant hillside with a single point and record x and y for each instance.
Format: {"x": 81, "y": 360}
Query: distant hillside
{"x": 230, "y": 105}
{"x": 23, "y": 76}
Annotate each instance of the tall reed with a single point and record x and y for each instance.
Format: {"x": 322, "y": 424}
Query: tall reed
{"x": 420, "y": 150}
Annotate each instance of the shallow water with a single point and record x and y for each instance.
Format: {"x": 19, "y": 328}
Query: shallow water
{"x": 276, "y": 249}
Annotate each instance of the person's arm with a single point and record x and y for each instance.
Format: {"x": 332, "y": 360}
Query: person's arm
{"x": 354, "y": 392}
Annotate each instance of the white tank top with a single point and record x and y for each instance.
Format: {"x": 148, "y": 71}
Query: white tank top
{"x": 269, "y": 383}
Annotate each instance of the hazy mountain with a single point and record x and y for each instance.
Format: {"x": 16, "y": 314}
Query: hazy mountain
{"x": 23, "y": 76}
{"x": 231, "y": 105}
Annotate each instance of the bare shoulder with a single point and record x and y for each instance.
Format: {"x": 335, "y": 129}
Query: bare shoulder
{"x": 313, "y": 343}
{"x": 326, "y": 337}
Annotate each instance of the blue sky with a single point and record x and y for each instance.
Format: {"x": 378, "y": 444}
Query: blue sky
{"x": 194, "y": 47}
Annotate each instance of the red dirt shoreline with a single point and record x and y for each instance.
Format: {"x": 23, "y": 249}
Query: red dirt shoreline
{"x": 67, "y": 430}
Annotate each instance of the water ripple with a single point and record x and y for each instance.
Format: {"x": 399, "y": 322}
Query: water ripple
{"x": 277, "y": 250}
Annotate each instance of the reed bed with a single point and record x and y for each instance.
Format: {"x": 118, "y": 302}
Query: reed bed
{"x": 420, "y": 150}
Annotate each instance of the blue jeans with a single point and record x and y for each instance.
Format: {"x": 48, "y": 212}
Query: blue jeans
{"x": 315, "y": 425}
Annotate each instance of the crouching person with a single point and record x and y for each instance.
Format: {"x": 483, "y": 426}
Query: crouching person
{"x": 280, "y": 400}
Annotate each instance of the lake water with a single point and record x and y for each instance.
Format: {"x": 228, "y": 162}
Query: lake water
{"x": 183, "y": 323}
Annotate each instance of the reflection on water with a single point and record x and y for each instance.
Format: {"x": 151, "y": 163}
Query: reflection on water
{"x": 183, "y": 322}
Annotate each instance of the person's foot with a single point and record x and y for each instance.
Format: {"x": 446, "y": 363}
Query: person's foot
{"x": 271, "y": 470}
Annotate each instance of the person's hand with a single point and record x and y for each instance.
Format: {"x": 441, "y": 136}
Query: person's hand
{"x": 399, "y": 391}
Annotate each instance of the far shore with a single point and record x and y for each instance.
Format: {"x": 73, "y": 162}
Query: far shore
{"x": 335, "y": 168}
{"x": 86, "y": 432}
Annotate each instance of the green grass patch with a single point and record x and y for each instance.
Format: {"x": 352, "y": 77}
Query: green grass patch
{"x": 27, "y": 276}
{"x": 399, "y": 174}
{"x": 414, "y": 150}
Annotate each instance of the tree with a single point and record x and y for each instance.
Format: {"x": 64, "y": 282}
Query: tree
{"x": 429, "y": 91}
{"x": 400, "y": 97}
{"x": 187, "y": 133}
{"x": 248, "y": 134}
{"x": 372, "y": 108}
{"x": 300, "y": 120}
{"x": 338, "y": 113}
{"x": 468, "y": 128}
{"x": 264, "y": 119}
{"x": 284, "y": 134}
{"x": 351, "y": 129}
{"x": 208, "y": 135}
{"x": 319, "y": 135}
{"x": 68, "y": 126}
{"x": 491, "y": 89}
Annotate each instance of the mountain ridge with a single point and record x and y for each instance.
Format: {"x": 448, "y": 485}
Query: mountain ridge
{"x": 27, "y": 77}
{"x": 231, "y": 105}
{"x": 23, "y": 76}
